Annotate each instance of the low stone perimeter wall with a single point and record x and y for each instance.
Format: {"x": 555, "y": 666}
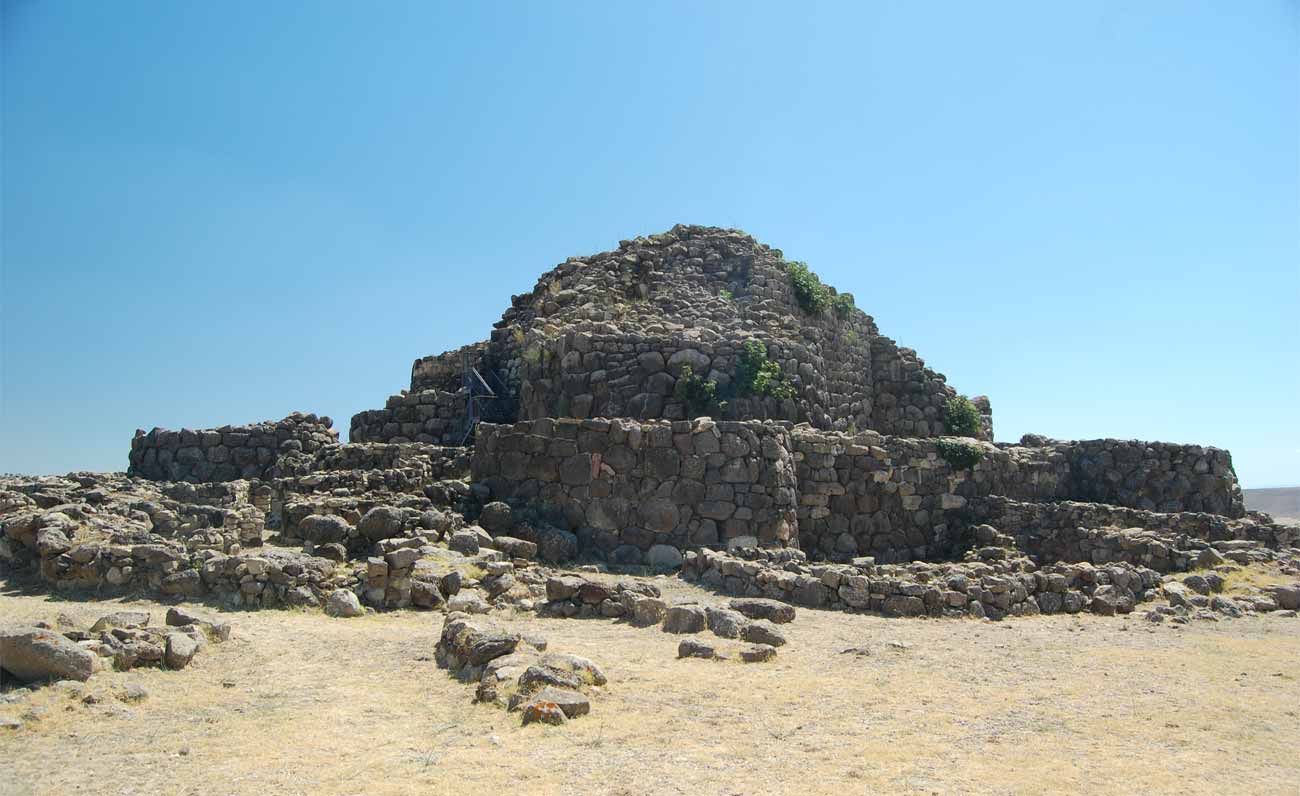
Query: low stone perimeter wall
{"x": 639, "y": 485}
{"x": 228, "y": 453}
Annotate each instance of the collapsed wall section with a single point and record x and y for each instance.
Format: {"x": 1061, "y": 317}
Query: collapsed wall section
{"x": 227, "y": 453}
{"x": 627, "y": 486}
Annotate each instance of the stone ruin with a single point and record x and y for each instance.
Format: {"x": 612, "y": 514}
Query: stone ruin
{"x": 691, "y": 401}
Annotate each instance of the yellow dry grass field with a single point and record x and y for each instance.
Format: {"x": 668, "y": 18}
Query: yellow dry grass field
{"x": 300, "y": 703}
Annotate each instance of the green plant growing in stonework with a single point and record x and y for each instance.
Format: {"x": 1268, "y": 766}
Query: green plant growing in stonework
{"x": 842, "y": 305}
{"x": 961, "y": 455}
{"x": 758, "y": 375}
{"x": 961, "y": 417}
{"x": 812, "y": 295}
{"x": 725, "y": 294}
{"x": 699, "y": 395}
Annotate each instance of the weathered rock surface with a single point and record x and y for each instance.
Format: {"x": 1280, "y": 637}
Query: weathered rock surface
{"x": 36, "y": 655}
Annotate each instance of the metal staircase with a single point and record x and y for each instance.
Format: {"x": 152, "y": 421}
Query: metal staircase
{"x": 487, "y": 398}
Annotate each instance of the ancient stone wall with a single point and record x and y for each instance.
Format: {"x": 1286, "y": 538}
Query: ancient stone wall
{"x": 895, "y": 497}
{"x": 446, "y": 371}
{"x": 581, "y": 375}
{"x": 1157, "y": 476}
{"x": 607, "y": 335}
{"x": 1056, "y": 531}
{"x": 227, "y": 453}
{"x": 434, "y": 417}
{"x": 628, "y": 487}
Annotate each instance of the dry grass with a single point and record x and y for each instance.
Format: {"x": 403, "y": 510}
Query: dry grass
{"x": 1051, "y": 705}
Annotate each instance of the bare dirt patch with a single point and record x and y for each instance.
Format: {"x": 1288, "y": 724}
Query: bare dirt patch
{"x": 299, "y": 703}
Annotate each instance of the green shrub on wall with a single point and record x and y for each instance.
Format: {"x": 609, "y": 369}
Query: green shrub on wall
{"x": 757, "y": 375}
{"x": 842, "y": 305}
{"x": 961, "y": 455}
{"x": 809, "y": 291}
{"x": 699, "y": 395}
{"x": 961, "y": 417}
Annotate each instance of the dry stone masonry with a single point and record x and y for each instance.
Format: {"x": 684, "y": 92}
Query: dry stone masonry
{"x": 228, "y": 453}
{"x": 692, "y": 401}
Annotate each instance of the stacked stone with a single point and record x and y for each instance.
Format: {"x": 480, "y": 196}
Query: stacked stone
{"x": 994, "y": 589}
{"x": 270, "y": 579}
{"x": 1148, "y": 548}
{"x": 433, "y": 417}
{"x": 910, "y": 399}
{"x": 572, "y": 596}
{"x": 897, "y": 499}
{"x": 583, "y": 375}
{"x": 1032, "y": 522}
{"x": 409, "y": 508}
{"x": 374, "y": 473}
{"x": 228, "y": 453}
{"x": 446, "y": 372}
{"x": 433, "y": 461}
{"x": 597, "y": 336}
{"x": 628, "y": 486}
{"x": 211, "y": 516}
{"x": 1157, "y": 476}
{"x": 398, "y": 576}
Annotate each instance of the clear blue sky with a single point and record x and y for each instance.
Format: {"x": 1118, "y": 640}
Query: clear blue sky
{"x": 223, "y": 212}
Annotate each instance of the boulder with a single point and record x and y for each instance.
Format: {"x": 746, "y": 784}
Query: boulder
{"x": 123, "y": 619}
{"x": 213, "y": 629}
{"x": 646, "y": 611}
{"x": 425, "y": 594}
{"x": 343, "y": 603}
{"x": 555, "y": 546}
{"x": 757, "y": 653}
{"x": 465, "y": 643}
{"x": 586, "y": 670}
{"x": 515, "y": 548}
{"x": 449, "y": 584}
{"x": 563, "y": 587}
{"x": 755, "y": 608}
{"x": 179, "y": 651}
{"x": 539, "y": 676}
{"x": 761, "y": 631}
{"x": 381, "y": 522}
{"x": 465, "y": 542}
{"x": 33, "y": 654}
{"x": 684, "y": 619}
{"x": 573, "y": 703}
{"x": 497, "y": 517}
{"x": 469, "y": 603}
{"x": 544, "y": 713}
{"x": 695, "y": 648}
{"x": 324, "y": 529}
{"x": 724, "y": 622}
{"x": 1287, "y": 597}
{"x": 663, "y": 556}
